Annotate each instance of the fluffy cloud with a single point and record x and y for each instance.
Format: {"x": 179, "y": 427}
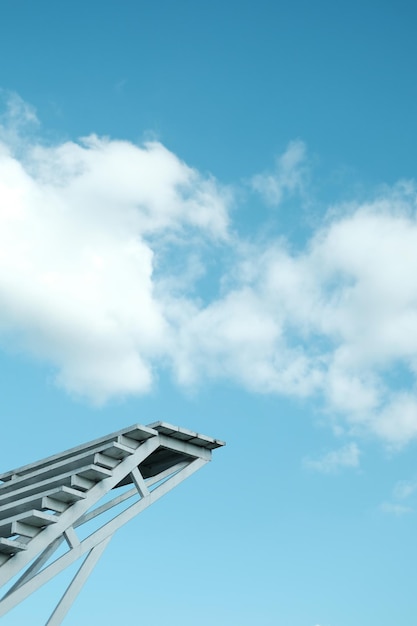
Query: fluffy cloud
{"x": 336, "y": 320}
{"x": 102, "y": 245}
{"x": 76, "y": 262}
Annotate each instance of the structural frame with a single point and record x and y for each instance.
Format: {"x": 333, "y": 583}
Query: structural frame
{"x": 47, "y": 508}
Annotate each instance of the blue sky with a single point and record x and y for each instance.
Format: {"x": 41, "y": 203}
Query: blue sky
{"x": 208, "y": 216}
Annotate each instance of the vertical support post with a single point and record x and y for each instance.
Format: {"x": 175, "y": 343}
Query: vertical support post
{"x": 139, "y": 482}
{"x": 76, "y": 584}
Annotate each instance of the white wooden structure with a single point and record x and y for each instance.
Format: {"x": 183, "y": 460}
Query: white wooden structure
{"x": 51, "y": 504}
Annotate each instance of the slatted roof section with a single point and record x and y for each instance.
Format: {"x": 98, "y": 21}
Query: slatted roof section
{"x": 183, "y": 434}
{"x": 34, "y": 495}
{"x": 81, "y": 459}
{"x": 136, "y": 433}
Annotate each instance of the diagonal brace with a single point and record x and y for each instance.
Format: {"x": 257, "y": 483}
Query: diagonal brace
{"x": 76, "y": 584}
{"x": 105, "y": 532}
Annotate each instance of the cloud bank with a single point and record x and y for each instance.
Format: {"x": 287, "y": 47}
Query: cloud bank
{"x": 102, "y": 247}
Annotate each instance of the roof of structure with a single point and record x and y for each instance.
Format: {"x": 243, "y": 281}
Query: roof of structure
{"x": 48, "y": 503}
{"x": 74, "y": 456}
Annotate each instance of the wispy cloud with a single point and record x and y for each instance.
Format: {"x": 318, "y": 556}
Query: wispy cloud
{"x": 347, "y": 456}
{"x": 403, "y": 491}
{"x": 288, "y": 177}
{"x": 394, "y": 508}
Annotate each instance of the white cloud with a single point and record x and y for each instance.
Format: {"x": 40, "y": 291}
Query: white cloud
{"x": 395, "y": 508}
{"x": 76, "y": 262}
{"x": 346, "y": 456}
{"x": 288, "y": 177}
{"x": 102, "y": 245}
{"x": 336, "y": 320}
{"x": 404, "y": 489}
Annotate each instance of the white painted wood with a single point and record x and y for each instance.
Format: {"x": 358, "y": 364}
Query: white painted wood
{"x": 76, "y": 584}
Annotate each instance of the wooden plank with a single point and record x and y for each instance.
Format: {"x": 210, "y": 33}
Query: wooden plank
{"x": 79, "y": 480}
{"x": 11, "y": 546}
{"x": 60, "y": 498}
{"x": 26, "y": 524}
{"x": 137, "y": 432}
